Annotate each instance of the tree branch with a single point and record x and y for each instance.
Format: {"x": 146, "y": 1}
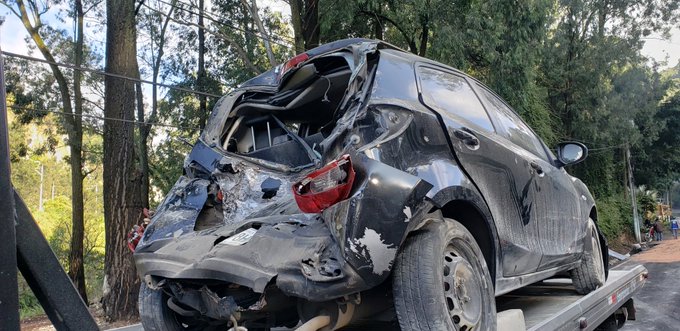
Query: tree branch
{"x": 4, "y": 3}
{"x": 256, "y": 16}
{"x": 69, "y": 120}
{"x": 409, "y": 39}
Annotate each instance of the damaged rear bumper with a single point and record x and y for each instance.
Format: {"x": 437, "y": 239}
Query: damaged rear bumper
{"x": 296, "y": 254}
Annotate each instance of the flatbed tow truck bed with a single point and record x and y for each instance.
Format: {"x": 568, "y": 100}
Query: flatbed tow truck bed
{"x": 554, "y": 304}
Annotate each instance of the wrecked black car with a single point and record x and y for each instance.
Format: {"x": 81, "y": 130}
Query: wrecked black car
{"x": 360, "y": 182}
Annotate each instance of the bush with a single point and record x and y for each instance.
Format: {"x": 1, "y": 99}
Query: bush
{"x": 615, "y": 216}
{"x": 29, "y": 306}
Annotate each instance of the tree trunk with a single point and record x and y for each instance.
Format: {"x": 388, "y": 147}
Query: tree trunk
{"x": 423, "y": 39}
{"x": 143, "y": 137}
{"x": 200, "y": 79}
{"x": 310, "y": 24}
{"x": 76, "y": 270}
{"x": 144, "y": 128}
{"x": 377, "y": 29}
{"x": 122, "y": 205}
{"x": 305, "y": 19}
{"x": 73, "y": 127}
{"x": 296, "y": 20}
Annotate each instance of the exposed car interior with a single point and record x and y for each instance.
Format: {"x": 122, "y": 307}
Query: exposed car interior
{"x": 277, "y": 127}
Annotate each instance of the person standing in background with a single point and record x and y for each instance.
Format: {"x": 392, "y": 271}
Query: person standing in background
{"x": 658, "y": 229}
{"x": 674, "y": 227}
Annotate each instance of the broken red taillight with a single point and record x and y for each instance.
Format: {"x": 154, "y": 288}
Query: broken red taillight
{"x": 135, "y": 235}
{"x": 292, "y": 63}
{"x": 326, "y": 186}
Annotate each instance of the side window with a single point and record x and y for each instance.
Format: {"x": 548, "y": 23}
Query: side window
{"x": 451, "y": 94}
{"x": 511, "y": 125}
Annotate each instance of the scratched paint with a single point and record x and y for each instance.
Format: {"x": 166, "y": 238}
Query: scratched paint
{"x": 380, "y": 254}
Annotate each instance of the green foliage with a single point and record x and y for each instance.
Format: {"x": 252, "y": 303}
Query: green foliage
{"x": 658, "y": 163}
{"x": 28, "y": 154}
{"x": 29, "y": 306}
{"x": 675, "y": 196}
{"x": 614, "y": 216}
{"x": 647, "y": 204}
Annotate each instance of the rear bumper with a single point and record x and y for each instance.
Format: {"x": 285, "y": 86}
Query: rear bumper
{"x": 301, "y": 259}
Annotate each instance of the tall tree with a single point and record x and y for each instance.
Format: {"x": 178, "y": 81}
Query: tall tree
{"x": 31, "y": 13}
{"x": 305, "y": 20}
{"x": 76, "y": 270}
{"x": 201, "y": 74}
{"x": 157, "y": 26}
{"x": 122, "y": 203}
{"x": 254, "y": 12}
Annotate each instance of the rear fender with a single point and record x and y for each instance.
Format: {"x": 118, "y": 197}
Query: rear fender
{"x": 371, "y": 225}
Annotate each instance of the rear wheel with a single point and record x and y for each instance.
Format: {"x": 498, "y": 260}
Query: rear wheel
{"x": 591, "y": 273}
{"x": 441, "y": 281}
{"x": 155, "y": 314}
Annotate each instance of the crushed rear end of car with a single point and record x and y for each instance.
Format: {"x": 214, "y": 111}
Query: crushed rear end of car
{"x": 294, "y": 201}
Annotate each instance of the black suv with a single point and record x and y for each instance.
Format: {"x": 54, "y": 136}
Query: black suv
{"x": 360, "y": 182}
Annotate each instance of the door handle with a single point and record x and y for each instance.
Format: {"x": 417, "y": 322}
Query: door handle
{"x": 537, "y": 167}
{"x": 468, "y": 138}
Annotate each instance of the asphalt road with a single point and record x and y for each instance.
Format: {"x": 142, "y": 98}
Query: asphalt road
{"x": 658, "y": 303}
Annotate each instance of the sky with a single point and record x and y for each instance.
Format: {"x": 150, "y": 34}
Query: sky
{"x": 664, "y": 50}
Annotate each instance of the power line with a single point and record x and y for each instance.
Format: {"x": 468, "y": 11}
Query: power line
{"x": 211, "y": 16}
{"x": 606, "y": 147}
{"x": 207, "y": 15}
{"x": 103, "y": 118}
{"x": 104, "y": 73}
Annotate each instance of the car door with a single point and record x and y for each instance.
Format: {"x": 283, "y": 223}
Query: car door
{"x": 550, "y": 199}
{"x": 495, "y": 169}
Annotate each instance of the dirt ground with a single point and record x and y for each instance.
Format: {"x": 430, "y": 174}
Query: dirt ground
{"x": 665, "y": 251}
{"x": 623, "y": 243}
{"x": 42, "y": 323}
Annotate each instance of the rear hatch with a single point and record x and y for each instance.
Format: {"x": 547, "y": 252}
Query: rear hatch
{"x": 261, "y": 140}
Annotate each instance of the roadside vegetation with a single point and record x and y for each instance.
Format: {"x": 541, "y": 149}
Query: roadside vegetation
{"x": 573, "y": 69}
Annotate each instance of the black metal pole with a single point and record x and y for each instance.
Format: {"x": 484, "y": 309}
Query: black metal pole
{"x": 9, "y": 290}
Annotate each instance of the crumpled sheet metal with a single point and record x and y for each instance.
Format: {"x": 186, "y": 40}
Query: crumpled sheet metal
{"x": 243, "y": 194}
{"x": 184, "y": 202}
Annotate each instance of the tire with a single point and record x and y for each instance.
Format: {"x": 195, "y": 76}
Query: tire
{"x": 609, "y": 324}
{"x": 591, "y": 273}
{"x": 155, "y": 314}
{"x": 427, "y": 296}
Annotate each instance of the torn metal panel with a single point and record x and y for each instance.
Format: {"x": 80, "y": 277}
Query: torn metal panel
{"x": 372, "y": 224}
{"x": 177, "y": 214}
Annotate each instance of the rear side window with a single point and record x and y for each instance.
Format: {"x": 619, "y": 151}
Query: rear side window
{"x": 511, "y": 125}
{"x": 452, "y": 96}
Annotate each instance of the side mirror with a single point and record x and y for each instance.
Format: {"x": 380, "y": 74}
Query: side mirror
{"x": 571, "y": 152}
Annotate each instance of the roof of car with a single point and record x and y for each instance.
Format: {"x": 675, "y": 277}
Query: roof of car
{"x": 270, "y": 77}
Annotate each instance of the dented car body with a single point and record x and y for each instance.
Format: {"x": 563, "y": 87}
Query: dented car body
{"x": 309, "y": 179}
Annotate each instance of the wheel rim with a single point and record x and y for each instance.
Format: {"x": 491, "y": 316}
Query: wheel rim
{"x": 462, "y": 291}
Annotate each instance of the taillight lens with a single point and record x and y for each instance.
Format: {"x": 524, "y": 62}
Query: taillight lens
{"x": 326, "y": 186}
{"x": 292, "y": 63}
